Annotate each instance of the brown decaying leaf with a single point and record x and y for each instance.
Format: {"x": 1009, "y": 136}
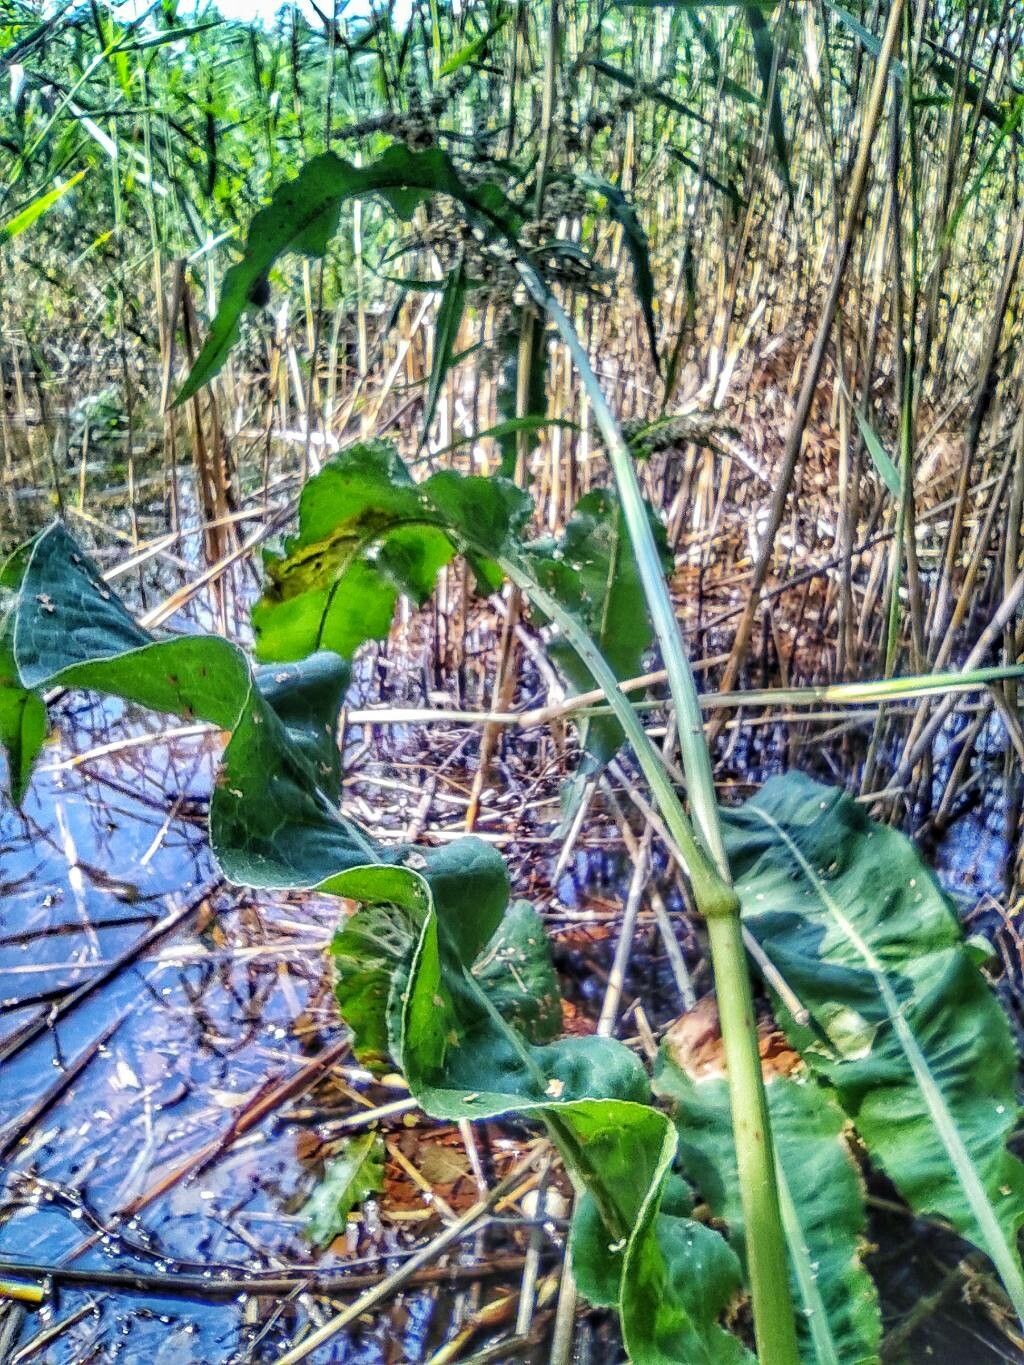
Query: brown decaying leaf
{"x": 694, "y": 1042}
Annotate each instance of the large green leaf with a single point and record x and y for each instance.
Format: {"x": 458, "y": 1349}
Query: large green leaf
{"x": 22, "y": 733}
{"x": 303, "y": 216}
{"x": 685, "y": 1263}
{"x": 368, "y": 949}
{"x": 367, "y": 532}
{"x": 22, "y": 713}
{"x": 273, "y": 816}
{"x": 676, "y": 1283}
{"x": 434, "y": 969}
{"x": 819, "y": 1186}
{"x": 902, "y": 1022}
{"x": 516, "y": 972}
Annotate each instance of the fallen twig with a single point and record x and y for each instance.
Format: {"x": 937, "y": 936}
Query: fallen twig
{"x": 217, "y": 1285}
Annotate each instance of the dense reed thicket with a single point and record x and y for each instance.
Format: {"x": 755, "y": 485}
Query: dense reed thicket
{"x": 835, "y": 337}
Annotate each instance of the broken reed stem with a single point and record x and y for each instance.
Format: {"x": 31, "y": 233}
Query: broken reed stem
{"x": 620, "y": 963}
{"x": 662, "y": 918}
{"x": 504, "y": 689}
{"x": 875, "y": 692}
{"x": 915, "y": 749}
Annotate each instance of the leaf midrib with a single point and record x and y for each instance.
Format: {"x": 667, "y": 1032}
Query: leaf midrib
{"x": 995, "y": 1242}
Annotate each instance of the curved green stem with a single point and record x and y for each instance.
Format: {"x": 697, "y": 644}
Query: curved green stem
{"x": 707, "y": 865}
{"x": 693, "y": 748}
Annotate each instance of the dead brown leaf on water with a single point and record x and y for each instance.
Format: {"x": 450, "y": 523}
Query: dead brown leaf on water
{"x": 575, "y": 1022}
{"x": 694, "y": 1043}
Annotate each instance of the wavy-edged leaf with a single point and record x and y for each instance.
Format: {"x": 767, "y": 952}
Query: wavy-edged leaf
{"x": 372, "y": 948}
{"x": 368, "y": 949}
{"x": 820, "y": 1189}
{"x": 460, "y": 1057}
{"x": 406, "y": 975}
{"x": 303, "y": 215}
{"x": 683, "y": 1265}
{"x": 273, "y": 816}
{"x": 349, "y": 1178}
{"x": 903, "y": 1025}
{"x": 463, "y": 1059}
{"x": 675, "y": 1285}
{"x": 691, "y": 1265}
{"x": 366, "y": 533}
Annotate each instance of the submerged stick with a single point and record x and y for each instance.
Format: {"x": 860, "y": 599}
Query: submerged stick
{"x": 228, "y": 1284}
